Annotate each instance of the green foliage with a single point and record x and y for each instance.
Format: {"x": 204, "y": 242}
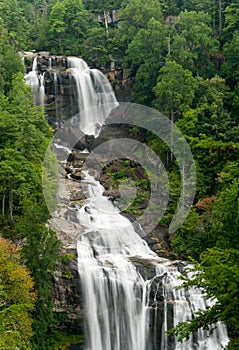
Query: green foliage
{"x": 174, "y": 90}
{"x": 14, "y": 19}
{"x": 24, "y": 138}
{"x": 218, "y": 276}
{"x": 194, "y": 42}
{"x": 231, "y": 19}
{"x": 95, "y": 46}
{"x": 230, "y": 68}
{"x": 229, "y": 172}
{"x": 41, "y": 252}
{"x": 144, "y": 57}
{"x": 224, "y": 226}
{"x": 192, "y": 238}
{"x": 102, "y": 5}
{"x": 69, "y": 23}
{"x": 214, "y": 9}
{"x": 135, "y": 15}
{"x": 10, "y": 62}
{"x": 64, "y": 340}
{"x": 16, "y": 299}
{"x": 233, "y": 344}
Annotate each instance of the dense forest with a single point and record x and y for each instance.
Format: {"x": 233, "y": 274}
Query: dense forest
{"x": 182, "y": 59}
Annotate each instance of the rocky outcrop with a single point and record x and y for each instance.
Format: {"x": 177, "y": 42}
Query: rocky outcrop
{"x": 66, "y": 295}
{"x": 108, "y": 17}
{"x": 66, "y": 285}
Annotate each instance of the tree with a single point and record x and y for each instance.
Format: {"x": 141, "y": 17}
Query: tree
{"x": 213, "y": 106}
{"x": 135, "y": 15}
{"x": 231, "y": 19}
{"x": 15, "y": 22}
{"x": 57, "y": 25}
{"x": 193, "y": 237}
{"x": 41, "y": 253}
{"x": 170, "y": 7}
{"x": 211, "y": 156}
{"x": 69, "y": 23}
{"x": 192, "y": 46}
{"x": 101, "y": 5}
{"x": 16, "y": 175}
{"x": 94, "y": 47}
{"x": 24, "y": 139}
{"x": 17, "y": 298}
{"x": 230, "y": 69}
{"x": 30, "y": 122}
{"x": 225, "y": 218}
{"x": 214, "y": 224}
{"x": 213, "y": 8}
{"x": 144, "y": 57}
{"x": 218, "y": 276}
{"x": 174, "y": 90}
{"x": 10, "y": 62}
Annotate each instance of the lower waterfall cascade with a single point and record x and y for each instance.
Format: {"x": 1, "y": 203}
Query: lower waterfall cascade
{"x": 124, "y": 309}
{"x": 129, "y": 293}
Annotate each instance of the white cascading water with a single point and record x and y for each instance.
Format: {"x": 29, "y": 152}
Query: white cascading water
{"x": 36, "y": 81}
{"x": 41, "y": 90}
{"x": 93, "y": 89}
{"x": 121, "y": 305}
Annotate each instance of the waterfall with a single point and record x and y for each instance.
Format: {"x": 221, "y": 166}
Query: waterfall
{"x": 50, "y": 63}
{"x": 93, "y": 89}
{"x": 129, "y": 292}
{"x": 36, "y": 81}
{"x": 73, "y": 92}
{"x": 41, "y": 90}
{"x": 125, "y": 309}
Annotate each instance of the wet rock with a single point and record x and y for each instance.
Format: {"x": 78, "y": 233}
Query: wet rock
{"x": 77, "y": 175}
{"x": 164, "y": 253}
{"x": 105, "y": 181}
{"x": 66, "y": 296}
{"x": 112, "y": 193}
{"x": 77, "y": 196}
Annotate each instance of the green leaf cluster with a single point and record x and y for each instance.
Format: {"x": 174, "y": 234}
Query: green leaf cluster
{"x": 17, "y": 299}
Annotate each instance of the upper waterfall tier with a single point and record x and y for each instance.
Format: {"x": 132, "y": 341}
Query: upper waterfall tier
{"x": 66, "y": 86}
{"x": 93, "y": 90}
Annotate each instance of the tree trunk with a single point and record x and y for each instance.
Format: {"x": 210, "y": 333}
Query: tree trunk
{"x": 3, "y": 203}
{"x": 106, "y": 25}
{"x": 11, "y": 204}
{"x": 220, "y": 17}
{"x": 171, "y": 133}
{"x": 44, "y": 10}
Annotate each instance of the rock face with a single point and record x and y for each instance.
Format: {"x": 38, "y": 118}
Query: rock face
{"x": 66, "y": 285}
{"x": 108, "y": 17}
{"x": 66, "y": 296}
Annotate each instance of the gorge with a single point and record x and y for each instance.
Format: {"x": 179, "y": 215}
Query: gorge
{"x": 128, "y": 291}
